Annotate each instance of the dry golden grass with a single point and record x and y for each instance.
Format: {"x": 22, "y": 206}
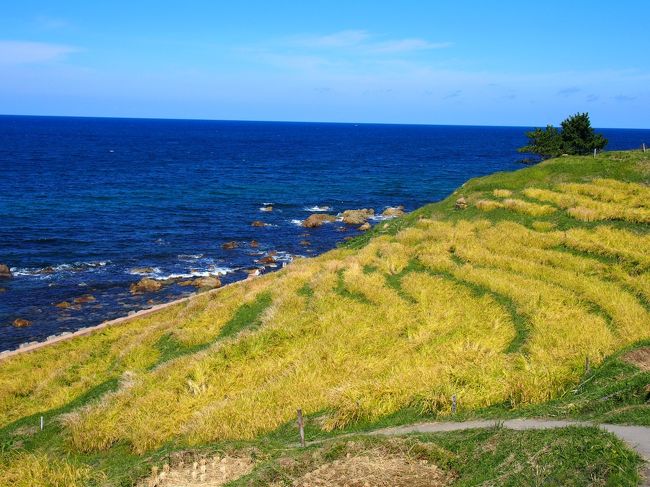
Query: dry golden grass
{"x": 587, "y": 209}
{"x": 502, "y": 193}
{"x": 488, "y": 205}
{"x": 527, "y": 208}
{"x": 25, "y": 469}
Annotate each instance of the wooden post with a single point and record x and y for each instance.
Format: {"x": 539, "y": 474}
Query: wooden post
{"x": 41, "y": 423}
{"x": 595, "y": 152}
{"x": 301, "y": 427}
{"x": 644, "y": 147}
{"x": 453, "y": 404}
{"x": 587, "y": 365}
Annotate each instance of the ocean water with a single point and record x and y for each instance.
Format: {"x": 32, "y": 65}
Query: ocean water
{"x": 83, "y": 201}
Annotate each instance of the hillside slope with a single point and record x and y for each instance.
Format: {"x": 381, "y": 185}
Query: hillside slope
{"x": 496, "y": 299}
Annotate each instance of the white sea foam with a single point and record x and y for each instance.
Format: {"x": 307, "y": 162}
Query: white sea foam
{"x": 143, "y": 272}
{"x": 49, "y": 270}
{"x": 317, "y": 208}
{"x": 266, "y": 208}
{"x": 189, "y": 257}
{"x": 297, "y": 222}
{"x": 212, "y": 271}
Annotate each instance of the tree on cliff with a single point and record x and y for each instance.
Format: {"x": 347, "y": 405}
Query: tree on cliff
{"x": 576, "y": 137}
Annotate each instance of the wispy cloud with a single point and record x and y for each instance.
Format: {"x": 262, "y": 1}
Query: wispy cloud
{"x": 363, "y": 42}
{"x": 571, "y": 90}
{"x": 624, "y": 98}
{"x": 453, "y": 94}
{"x": 51, "y": 23}
{"x": 26, "y": 52}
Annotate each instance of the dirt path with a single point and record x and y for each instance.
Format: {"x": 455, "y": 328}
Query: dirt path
{"x": 636, "y": 437}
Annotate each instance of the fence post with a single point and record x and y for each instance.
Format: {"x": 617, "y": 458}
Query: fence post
{"x": 644, "y": 147}
{"x": 301, "y": 427}
{"x": 453, "y": 404}
{"x": 587, "y": 365}
{"x": 595, "y": 150}
{"x": 42, "y": 423}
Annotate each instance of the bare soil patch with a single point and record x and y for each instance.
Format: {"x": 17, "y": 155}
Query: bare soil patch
{"x": 639, "y": 358}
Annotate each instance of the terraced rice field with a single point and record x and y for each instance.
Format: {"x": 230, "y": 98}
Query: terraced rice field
{"x": 501, "y": 302}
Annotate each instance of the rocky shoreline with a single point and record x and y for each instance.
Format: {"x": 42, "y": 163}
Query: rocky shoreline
{"x": 359, "y": 218}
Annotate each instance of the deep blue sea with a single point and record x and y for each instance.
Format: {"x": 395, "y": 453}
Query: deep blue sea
{"x": 84, "y": 201}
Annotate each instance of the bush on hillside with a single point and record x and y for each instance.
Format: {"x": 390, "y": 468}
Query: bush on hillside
{"x": 576, "y": 137}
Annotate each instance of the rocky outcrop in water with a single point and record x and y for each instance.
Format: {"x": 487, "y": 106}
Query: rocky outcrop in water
{"x": 21, "y": 323}
{"x": 145, "y": 285}
{"x": 142, "y": 270}
{"x": 393, "y": 211}
{"x": 5, "y": 272}
{"x": 208, "y": 282}
{"x": 86, "y": 298}
{"x": 317, "y": 219}
{"x": 357, "y": 217}
{"x": 229, "y": 245}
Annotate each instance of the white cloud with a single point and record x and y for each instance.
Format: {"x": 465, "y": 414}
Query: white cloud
{"x": 344, "y": 38}
{"x": 363, "y": 42}
{"x": 406, "y": 45}
{"x": 26, "y": 52}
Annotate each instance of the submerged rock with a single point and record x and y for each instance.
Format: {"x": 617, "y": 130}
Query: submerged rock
{"x": 142, "y": 270}
{"x": 393, "y": 211}
{"x": 266, "y": 208}
{"x": 202, "y": 282}
{"x": 258, "y": 223}
{"x": 47, "y": 270}
{"x": 229, "y": 245}
{"x": 21, "y": 323}
{"x": 2, "y": 290}
{"x": 63, "y": 305}
{"x": 357, "y": 217}
{"x": 365, "y": 227}
{"x": 254, "y": 244}
{"x": 269, "y": 259}
{"x": 86, "y": 298}
{"x": 5, "y": 272}
{"x": 145, "y": 285}
{"x": 317, "y": 219}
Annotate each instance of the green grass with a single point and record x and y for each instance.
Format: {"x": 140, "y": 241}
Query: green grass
{"x": 247, "y": 317}
{"x": 564, "y": 457}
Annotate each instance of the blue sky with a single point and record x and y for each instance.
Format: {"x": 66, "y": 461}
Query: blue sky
{"x": 449, "y": 62}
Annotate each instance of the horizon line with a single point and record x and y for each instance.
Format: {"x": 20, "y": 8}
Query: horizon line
{"x": 295, "y": 121}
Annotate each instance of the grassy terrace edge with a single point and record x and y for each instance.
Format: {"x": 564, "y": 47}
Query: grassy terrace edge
{"x": 614, "y": 391}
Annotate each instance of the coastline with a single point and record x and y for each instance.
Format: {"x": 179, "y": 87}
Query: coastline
{"x": 32, "y": 346}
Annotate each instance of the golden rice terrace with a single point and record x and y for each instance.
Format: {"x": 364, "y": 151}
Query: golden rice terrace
{"x": 497, "y": 301}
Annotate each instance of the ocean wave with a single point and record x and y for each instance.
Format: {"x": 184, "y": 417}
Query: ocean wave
{"x": 144, "y": 271}
{"x": 317, "y": 208}
{"x": 189, "y": 257}
{"x": 47, "y": 270}
{"x": 213, "y": 271}
{"x": 296, "y": 222}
